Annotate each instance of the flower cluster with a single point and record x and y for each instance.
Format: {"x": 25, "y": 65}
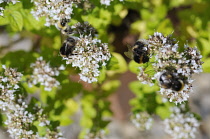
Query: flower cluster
{"x": 19, "y": 120}
{"x": 15, "y": 112}
{"x": 180, "y": 125}
{"x": 142, "y": 121}
{"x": 90, "y": 54}
{"x": 53, "y": 10}
{"x": 2, "y": 9}
{"x": 43, "y": 74}
{"x": 87, "y": 53}
{"x": 178, "y": 67}
{"x": 96, "y": 135}
{"x": 107, "y": 2}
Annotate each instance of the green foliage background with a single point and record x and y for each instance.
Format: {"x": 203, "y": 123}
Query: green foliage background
{"x": 188, "y": 20}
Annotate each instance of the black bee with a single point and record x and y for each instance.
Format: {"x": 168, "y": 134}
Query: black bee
{"x": 63, "y": 26}
{"x": 170, "y": 80}
{"x": 67, "y": 47}
{"x": 139, "y": 52}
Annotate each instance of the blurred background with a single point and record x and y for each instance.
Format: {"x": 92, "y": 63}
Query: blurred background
{"x": 121, "y": 24}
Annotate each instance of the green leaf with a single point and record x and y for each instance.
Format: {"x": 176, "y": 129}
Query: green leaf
{"x": 16, "y": 20}
{"x": 206, "y": 65}
{"x": 21, "y": 63}
{"x": 110, "y": 86}
{"x": 1, "y": 120}
{"x": 102, "y": 75}
{"x": 30, "y": 23}
{"x": 86, "y": 121}
{"x": 65, "y": 120}
{"x": 163, "y": 112}
{"x": 133, "y": 67}
{"x": 165, "y": 27}
{"x": 87, "y": 106}
{"x": 150, "y": 89}
{"x": 205, "y": 46}
{"x": 117, "y": 64}
{"x": 27, "y": 4}
{"x": 136, "y": 87}
{"x": 68, "y": 90}
{"x": 4, "y": 20}
{"x": 160, "y": 11}
{"x": 138, "y": 26}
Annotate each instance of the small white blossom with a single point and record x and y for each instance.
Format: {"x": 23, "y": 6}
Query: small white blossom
{"x": 142, "y": 121}
{"x": 95, "y": 135}
{"x": 180, "y": 125}
{"x": 44, "y": 74}
{"x": 169, "y": 59}
{"x": 18, "y": 119}
{"x": 90, "y": 56}
{"x": 53, "y": 10}
{"x": 107, "y": 2}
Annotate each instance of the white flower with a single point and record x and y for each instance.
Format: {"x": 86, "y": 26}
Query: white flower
{"x": 95, "y": 135}
{"x": 181, "y": 125}
{"x": 90, "y": 55}
{"x": 53, "y": 10}
{"x": 168, "y": 58}
{"x": 107, "y": 2}
{"x": 44, "y": 74}
{"x": 3, "y": 66}
{"x": 142, "y": 121}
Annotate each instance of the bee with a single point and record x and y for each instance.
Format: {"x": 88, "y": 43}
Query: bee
{"x": 169, "y": 80}
{"x": 67, "y": 47}
{"x": 63, "y": 26}
{"x": 139, "y": 52}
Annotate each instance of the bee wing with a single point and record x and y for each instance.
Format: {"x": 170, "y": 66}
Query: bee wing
{"x": 129, "y": 53}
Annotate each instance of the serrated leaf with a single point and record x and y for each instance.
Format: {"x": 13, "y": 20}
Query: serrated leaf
{"x": 16, "y": 21}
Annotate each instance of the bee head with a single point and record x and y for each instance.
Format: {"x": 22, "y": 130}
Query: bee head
{"x": 64, "y": 22}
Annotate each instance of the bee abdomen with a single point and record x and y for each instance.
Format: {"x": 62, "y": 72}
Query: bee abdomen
{"x": 169, "y": 80}
{"x": 177, "y": 85}
{"x": 67, "y": 47}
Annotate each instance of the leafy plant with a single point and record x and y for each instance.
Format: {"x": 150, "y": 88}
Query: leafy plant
{"x": 47, "y": 90}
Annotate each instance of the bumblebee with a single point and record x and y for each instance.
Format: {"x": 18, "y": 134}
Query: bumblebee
{"x": 63, "y": 26}
{"x": 139, "y": 52}
{"x": 67, "y": 47}
{"x": 170, "y": 80}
